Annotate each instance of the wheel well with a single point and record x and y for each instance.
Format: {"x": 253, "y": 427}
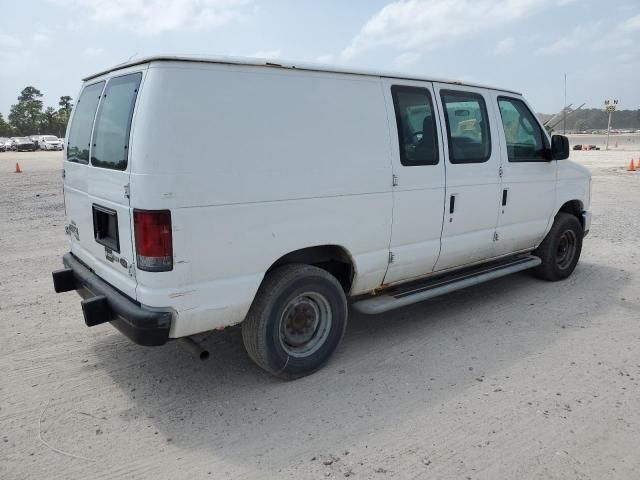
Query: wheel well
{"x": 574, "y": 207}
{"x": 332, "y": 258}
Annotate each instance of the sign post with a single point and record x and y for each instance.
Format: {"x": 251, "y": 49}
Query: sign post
{"x": 609, "y": 107}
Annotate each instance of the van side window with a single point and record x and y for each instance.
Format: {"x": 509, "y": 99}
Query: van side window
{"x": 467, "y": 126}
{"x": 80, "y": 129}
{"x": 113, "y": 123}
{"x": 416, "y": 126}
{"x": 525, "y": 141}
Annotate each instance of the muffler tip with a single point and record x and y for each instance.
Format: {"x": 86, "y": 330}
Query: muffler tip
{"x": 194, "y": 348}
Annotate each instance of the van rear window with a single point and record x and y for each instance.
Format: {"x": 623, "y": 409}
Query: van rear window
{"x": 80, "y": 130}
{"x": 113, "y": 123}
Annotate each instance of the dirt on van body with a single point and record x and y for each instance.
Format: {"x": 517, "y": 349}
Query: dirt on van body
{"x": 517, "y": 378}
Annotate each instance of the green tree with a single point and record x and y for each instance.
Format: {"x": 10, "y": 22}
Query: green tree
{"x": 26, "y": 115}
{"x": 5, "y": 128}
{"x": 49, "y": 121}
{"x": 65, "y": 103}
{"x": 581, "y": 125}
{"x": 63, "y": 115}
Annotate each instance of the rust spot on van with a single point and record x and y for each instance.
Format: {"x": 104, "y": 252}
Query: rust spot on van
{"x": 379, "y": 289}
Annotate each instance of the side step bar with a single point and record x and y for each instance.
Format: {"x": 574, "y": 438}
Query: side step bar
{"x": 434, "y": 287}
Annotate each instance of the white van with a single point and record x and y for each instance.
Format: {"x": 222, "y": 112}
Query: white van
{"x": 207, "y": 192}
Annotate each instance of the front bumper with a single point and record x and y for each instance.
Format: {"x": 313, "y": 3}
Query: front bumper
{"x": 586, "y": 222}
{"x": 103, "y": 303}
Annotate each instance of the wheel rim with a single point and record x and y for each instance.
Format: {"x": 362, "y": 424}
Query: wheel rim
{"x": 566, "y": 250}
{"x": 305, "y": 324}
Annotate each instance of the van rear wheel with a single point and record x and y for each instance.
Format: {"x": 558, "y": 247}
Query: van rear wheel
{"x": 296, "y": 321}
{"x": 561, "y": 248}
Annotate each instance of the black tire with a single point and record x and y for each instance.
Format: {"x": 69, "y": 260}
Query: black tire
{"x": 288, "y": 303}
{"x": 561, "y": 248}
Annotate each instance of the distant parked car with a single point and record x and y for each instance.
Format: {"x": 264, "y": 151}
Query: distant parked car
{"x": 50, "y": 142}
{"x": 8, "y": 144}
{"x": 35, "y": 139}
{"x": 22, "y": 144}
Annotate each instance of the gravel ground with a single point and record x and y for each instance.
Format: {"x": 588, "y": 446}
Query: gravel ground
{"x": 514, "y": 379}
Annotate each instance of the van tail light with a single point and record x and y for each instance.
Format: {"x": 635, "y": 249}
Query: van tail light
{"x": 154, "y": 248}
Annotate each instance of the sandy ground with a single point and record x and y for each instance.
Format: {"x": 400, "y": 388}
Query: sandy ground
{"x": 514, "y": 379}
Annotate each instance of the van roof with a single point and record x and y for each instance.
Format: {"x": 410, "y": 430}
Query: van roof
{"x": 262, "y": 62}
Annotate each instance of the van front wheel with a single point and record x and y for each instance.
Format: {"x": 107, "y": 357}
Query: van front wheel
{"x": 296, "y": 321}
{"x": 560, "y": 250}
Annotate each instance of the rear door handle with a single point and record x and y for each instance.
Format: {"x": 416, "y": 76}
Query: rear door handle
{"x": 504, "y": 197}
{"x": 452, "y": 204}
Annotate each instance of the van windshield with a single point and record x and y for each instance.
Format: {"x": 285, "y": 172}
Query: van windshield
{"x": 80, "y": 130}
{"x": 113, "y": 123}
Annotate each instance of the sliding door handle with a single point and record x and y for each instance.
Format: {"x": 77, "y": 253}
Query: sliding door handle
{"x": 504, "y": 196}
{"x": 452, "y": 204}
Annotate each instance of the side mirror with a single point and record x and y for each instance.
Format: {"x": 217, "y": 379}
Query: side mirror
{"x": 559, "y": 147}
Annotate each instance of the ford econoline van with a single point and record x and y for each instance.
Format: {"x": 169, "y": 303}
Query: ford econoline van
{"x": 207, "y": 192}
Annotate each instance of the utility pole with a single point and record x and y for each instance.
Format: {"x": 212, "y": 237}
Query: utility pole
{"x": 609, "y": 107}
{"x": 564, "y": 120}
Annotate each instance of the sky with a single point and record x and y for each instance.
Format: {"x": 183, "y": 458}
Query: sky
{"x": 523, "y": 45}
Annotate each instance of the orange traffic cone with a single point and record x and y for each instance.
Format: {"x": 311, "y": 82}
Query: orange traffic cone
{"x": 18, "y": 168}
{"x": 632, "y": 167}
{"x": 638, "y": 163}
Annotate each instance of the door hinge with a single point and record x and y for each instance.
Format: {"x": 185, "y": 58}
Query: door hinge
{"x": 127, "y": 190}
{"x": 394, "y": 180}
{"x": 132, "y": 270}
{"x": 496, "y": 237}
{"x": 392, "y": 257}
{"x": 500, "y": 172}
{"x": 64, "y": 174}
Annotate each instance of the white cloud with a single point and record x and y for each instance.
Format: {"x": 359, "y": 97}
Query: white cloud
{"x": 40, "y": 39}
{"x": 632, "y": 24}
{"x": 8, "y": 42}
{"x": 16, "y": 56}
{"x": 93, "y": 51}
{"x": 625, "y": 57}
{"x": 578, "y": 37}
{"x": 624, "y": 36}
{"x": 267, "y": 54}
{"x": 151, "y": 17}
{"x": 407, "y": 59}
{"x": 597, "y": 37}
{"x": 505, "y": 46}
{"x": 409, "y": 24}
{"x": 324, "y": 59}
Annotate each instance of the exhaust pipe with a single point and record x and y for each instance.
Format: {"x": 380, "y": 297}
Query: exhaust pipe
{"x": 194, "y": 348}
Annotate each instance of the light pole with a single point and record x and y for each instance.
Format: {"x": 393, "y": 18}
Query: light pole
{"x": 609, "y": 107}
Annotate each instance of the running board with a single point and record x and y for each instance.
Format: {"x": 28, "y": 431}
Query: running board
{"x": 434, "y": 287}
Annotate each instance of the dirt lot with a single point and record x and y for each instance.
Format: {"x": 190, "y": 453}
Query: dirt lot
{"x": 513, "y": 379}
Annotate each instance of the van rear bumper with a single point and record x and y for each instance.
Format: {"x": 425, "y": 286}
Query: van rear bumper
{"x": 103, "y": 303}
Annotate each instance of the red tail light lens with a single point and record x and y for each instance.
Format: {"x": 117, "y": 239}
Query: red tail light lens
{"x": 154, "y": 248}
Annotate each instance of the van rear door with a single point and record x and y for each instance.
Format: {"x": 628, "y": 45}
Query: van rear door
{"x": 96, "y": 185}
